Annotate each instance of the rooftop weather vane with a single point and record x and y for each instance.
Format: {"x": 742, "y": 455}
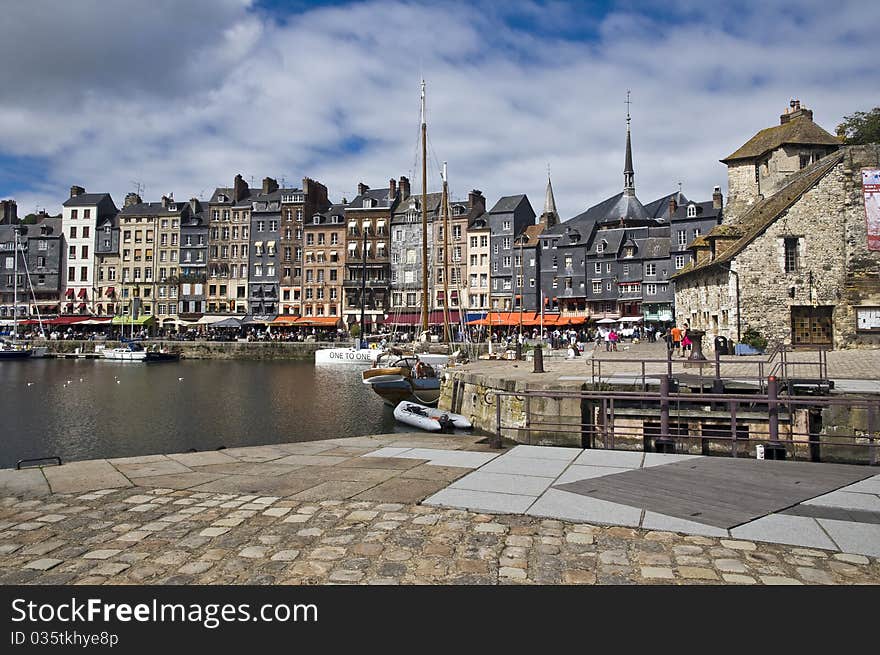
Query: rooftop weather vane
{"x": 628, "y": 103}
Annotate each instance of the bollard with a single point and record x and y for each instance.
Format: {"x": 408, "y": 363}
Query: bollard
{"x": 664, "y": 443}
{"x": 539, "y": 360}
{"x": 518, "y": 350}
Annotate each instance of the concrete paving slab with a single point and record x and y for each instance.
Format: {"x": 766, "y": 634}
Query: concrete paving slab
{"x": 848, "y": 500}
{"x": 310, "y": 460}
{"x": 482, "y": 501}
{"x": 333, "y": 490}
{"x": 257, "y": 453}
{"x": 387, "y": 452}
{"x": 80, "y": 477}
{"x": 658, "y": 459}
{"x": 178, "y": 480}
{"x": 861, "y": 538}
{"x": 545, "y": 452}
{"x": 434, "y": 472}
{"x": 203, "y": 458}
{"x": 279, "y": 485}
{"x": 785, "y": 529}
{"x": 558, "y": 504}
{"x": 869, "y": 486}
{"x": 27, "y": 482}
{"x": 654, "y": 521}
{"x": 617, "y": 458}
{"x": 398, "y": 463}
{"x": 306, "y": 448}
{"x": 457, "y": 458}
{"x": 350, "y": 474}
{"x": 269, "y": 468}
{"x": 505, "y": 483}
{"x": 399, "y": 490}
{"x": 576, "y": 472}
{"x": 151, "y": 469}
{"x": 140, "y": 459}
{"x": 546, "y": 468}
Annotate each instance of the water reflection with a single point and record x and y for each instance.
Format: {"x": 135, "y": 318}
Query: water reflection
{"x": 82, "y": 409}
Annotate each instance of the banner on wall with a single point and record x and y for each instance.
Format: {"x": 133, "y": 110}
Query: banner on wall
{"x": 871, "y": 189}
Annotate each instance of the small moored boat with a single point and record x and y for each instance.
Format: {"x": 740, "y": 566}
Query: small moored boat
{"x": 429, "y": 418}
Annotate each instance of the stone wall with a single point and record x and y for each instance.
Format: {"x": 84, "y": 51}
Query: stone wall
{"x": 742, "y": 190}
{"x": 835, "y": 268}
{"x": 204, "y": 349}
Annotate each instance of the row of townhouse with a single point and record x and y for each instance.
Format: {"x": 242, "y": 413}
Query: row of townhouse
{"x": 291, "y": 251}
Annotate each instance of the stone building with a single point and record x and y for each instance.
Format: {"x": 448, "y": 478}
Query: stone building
{"x": 324, "y": 264}
{"x": 461, "y": 215}
{"x": 81, "y": 214}
{"x": 193, "y": 262}
{"x": 229, "y": 217}
{"x": 478, "y": 267}
{"x": 296, "y": 206}
{"x": 508, "y": 219}
{"x": 407, "y": 285}
{"x": 795, "y": 265}
{"x": 8, "y": 212}
{"x": 40, "y": 270}
{"x": 150, "y": 254}
{"x": 263, "y": 276}
{"x": 367, "y": 252}
{"x": 108, "y": 262}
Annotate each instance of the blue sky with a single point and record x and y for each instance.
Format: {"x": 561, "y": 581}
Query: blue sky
{"x": 182, "y": 96}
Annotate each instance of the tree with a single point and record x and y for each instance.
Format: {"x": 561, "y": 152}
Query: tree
{"x": 860, "y": 128}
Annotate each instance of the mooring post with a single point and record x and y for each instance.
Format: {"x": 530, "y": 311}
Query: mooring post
{"x": 539, "y": 360}
{"x": 496, "y": 440}
{"x": 664, "y": 443}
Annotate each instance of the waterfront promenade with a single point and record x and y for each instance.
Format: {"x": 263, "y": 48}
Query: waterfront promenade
{"x": 412, "y": 509}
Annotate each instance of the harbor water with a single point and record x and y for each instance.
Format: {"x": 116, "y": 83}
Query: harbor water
{"x": 86, "y": 409}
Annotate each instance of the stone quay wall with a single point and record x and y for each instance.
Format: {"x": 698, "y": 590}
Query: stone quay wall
{"x": 256, "y": 350}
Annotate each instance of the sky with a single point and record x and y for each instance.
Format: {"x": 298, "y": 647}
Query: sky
{"x": 179, "y": 97}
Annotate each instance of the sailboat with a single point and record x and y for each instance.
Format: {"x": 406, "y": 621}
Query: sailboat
{"x": 399, "y": 376}
{"x": 360, "y": 355}
{"x": 13, "y": 350}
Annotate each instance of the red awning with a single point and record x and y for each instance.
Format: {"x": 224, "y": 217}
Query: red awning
{"x": 69, "y": 293}
{"x": 318, "y": 321}
{"x": 82, "y": 305}
{"x": 109, "y": 292}
{"x": 82, "y": 293}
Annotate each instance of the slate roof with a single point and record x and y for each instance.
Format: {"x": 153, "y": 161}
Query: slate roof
{"x": 381, "y": 196}
{"x": 705, "y": 210}
{"x": 433, "y": 201}
{"x": 508, "y": 204}
{"x": 660, "y": 208}
{"x": 764, "y": 213}
{"x": 799, "y": 131}
{"x": 152, "y": 209}
{"x": 87, "y": 200}
{"x": 655, "y": 248}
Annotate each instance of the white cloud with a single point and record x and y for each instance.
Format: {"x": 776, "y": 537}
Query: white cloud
{"x": 184, "y": 101}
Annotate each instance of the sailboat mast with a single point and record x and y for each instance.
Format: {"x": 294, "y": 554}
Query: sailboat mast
{"x": 424, "y": 213}
{"x": 445, "y": 200}
{"x": 15, "y": 284}
{"x": 364, "y": 223}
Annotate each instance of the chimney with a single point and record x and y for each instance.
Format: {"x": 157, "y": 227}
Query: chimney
{"x": 404, "y": 188}
{"x": 165, "y": 201}
{"x": 717, "y": 198}
{"x": 269, "y": 185}
{"x": 8, "y": 212}
{"x": 795, "y": 111}
{"x": 76, "y": 191}
{"x": 131, "y": 199}
{"x": 392, "y": 189}
{"x": 194, "y": 205}
{"x": 672, "y": 206}
{"x": 239, "y": 188}
{"x": 362, "y": 188}
{"x": 476, "y": 199}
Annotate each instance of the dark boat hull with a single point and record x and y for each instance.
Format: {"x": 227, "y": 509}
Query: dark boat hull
{"x": 15, "y": 354}
{"x": 161, "y": 357}
{"x": 426, "y": 392}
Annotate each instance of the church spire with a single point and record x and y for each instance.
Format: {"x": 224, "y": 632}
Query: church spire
{"x": 549, "y": 200}
{"x": 629, "y": 183}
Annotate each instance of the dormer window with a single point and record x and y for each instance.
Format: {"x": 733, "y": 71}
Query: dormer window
{"x": 368, "y": 202}
{"x": 600, "y": 247}
{"x": 629, "y": 251}
{"x": 692, "y": 211}
{"x": 457, "y": 210}
{"x": 316, "y": 220}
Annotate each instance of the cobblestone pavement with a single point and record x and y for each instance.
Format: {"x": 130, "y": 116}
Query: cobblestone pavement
{"x": 166, "y": 536}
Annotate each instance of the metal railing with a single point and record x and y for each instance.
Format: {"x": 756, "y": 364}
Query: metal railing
{"x": 695, "y": 423}
{"x": 776, "y": 364}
